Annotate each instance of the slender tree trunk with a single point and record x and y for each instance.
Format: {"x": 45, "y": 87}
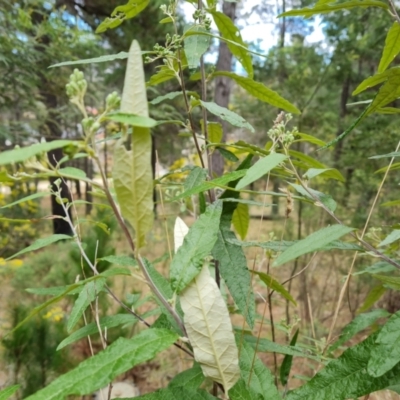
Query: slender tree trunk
{"x": 223, "y": 84}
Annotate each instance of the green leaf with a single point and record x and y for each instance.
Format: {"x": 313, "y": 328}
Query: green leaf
{"x": 120, "y": 13}
{"x": 195, "y": 46}
{"x": 256, "y": 374}
{"x": 304, "y": 137}
{"x": 379, "y": 267}
{"x": 88, "y": 294}
{"x": 307, "y": 160}
{"x": 260, "y": 92}
{"x": 260, "y": 168}
{"x": 392, "y": 47}
{"x": 234, "y": 271}
{"x": 163, "y": 74}
{"x": 6, "y": 393}
{"x": 27, "y": 198}
{"x": 275, "y": 285}
{"x": 132, "y": 172}
{"x": 177, "y": 393}
{"x": 286, "y": 365}
{"x": 358, "y": 324}
{"x": 99, "y": 370}
{"x": 329, "y": 7}
{"x": 241, "y": 391}
{"x": 215, "y": 133}
{"x": 388, "y": 92}
{"x": 190, "y": 379}
{"x": 227, "y": 154}
{"x": 125, "y": 261}
{"x": 72, "y": 172}
{"x": 195, "y": 178}
{"x": 325, "y": 172}
{"x": 376, "y": 80}
{"x": 92, "y": 328}
{"x": 346, "y": 377}
{"x": 40, "y": 243}
{"x": 394, "y": 236}
{"x": 325, "y": 199}
{"x": 111, "y": 57}
{"x": 217, "y": 182}
{"x": 24, "y": 153}
{"x": 268, "y": 346}
{"x": 229, "y": 31}
{"x": 372, "y": 297}
{"x": 391, "y": 281}
{"x": 227, "y": 115}
{"x": 312, "y": 243}
{"x": 282, "y": 245}
{"x": 168, "y": 96}
{"x": 132, "y": 119}
{"x": 197, "y": 245}
{"x": 241, "y": 219}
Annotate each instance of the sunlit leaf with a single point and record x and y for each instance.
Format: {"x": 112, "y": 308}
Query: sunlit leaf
{"x": 392, "y": 47}
{"x": 325, "y": 172}
{"x": 241, "y": 219}
{"x": 111, "y": 57}
{"x": 132, "y": 173}
{"x": 312, "y": 243}
{"x": 215, "y": 132}
{"x": 327, "y": 7}
{"x": 260, "y": 91}
{"x": 394, "y": 236}
{"x": 275, "y": 285}
{"x": 209, "y": 329}
{"x": 6, "y": 393}
{"x": 260, "y": 168}
{"x": 34, "y": 196}
{"x": 24, "y": 153}
{"x": 180, "y": 231}
{"x": 229, "y": 31}
{"x": 168, "y": 96}
{"x": 132, "y": 119}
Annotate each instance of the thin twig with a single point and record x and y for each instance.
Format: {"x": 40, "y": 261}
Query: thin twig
{"x": 394, "y": 12}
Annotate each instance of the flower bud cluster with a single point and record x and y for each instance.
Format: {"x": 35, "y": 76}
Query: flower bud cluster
{"x": 279, "y": 133}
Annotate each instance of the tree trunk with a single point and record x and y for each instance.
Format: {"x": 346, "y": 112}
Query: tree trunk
{"x": 223, "y": 85}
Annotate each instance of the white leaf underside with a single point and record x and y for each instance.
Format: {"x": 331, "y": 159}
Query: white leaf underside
{"x": 209, "y": 329}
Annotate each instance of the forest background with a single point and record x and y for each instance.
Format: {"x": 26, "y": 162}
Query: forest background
{"x": 318, "y": 77}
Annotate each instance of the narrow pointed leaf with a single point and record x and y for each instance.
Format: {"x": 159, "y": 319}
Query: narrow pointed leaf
{"x": 346, "y": 377}
{"x": 372, "y": 297}
{"x": 275, "y": 285}
{"x": 27, "y": 198}
{"x": 312, "y": 243}
{"x": 229, "y": 31}
{"x": 168, "y": 96}
{"x": 99, "y": 370}
{"x": 234, "y": 271}
{"x": 241, "y": 391}
{"x": 215, "y": 133}
{"x": 286, "y": 365}
{"x": 40, "y": 243}
{"x": 89, "y": 292}
{"x": 260, "y": 91}
{"x": 388, "y": 92}
{"x": 209, "y": 329}
{"x": 358, "y": 324}
{"x": 325, "y": 172}
{"x": 392, "y": 47}
{"x": 386, "y": 352}
{"x": 376, "y": 80}
{"x": 132, "y": 119}
{"x": 195, "y": 178}
{"x": 227, "y": 115}
{"x": 132, "y": 173}
{"x": 6, "y": 393}
{"x": 260, "y": 168}
{"x": 329, "y": 7}
{"x": 394, "y": 236}
{"x": 24, "y": 153}
{"x": 92, "y": 328}
{"x": 110, "y": 57}
{"x": 197, "y": 245}
{"x": 241, "y": 219}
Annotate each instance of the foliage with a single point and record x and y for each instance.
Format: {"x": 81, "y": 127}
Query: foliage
{"x": 209, "y": 277}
